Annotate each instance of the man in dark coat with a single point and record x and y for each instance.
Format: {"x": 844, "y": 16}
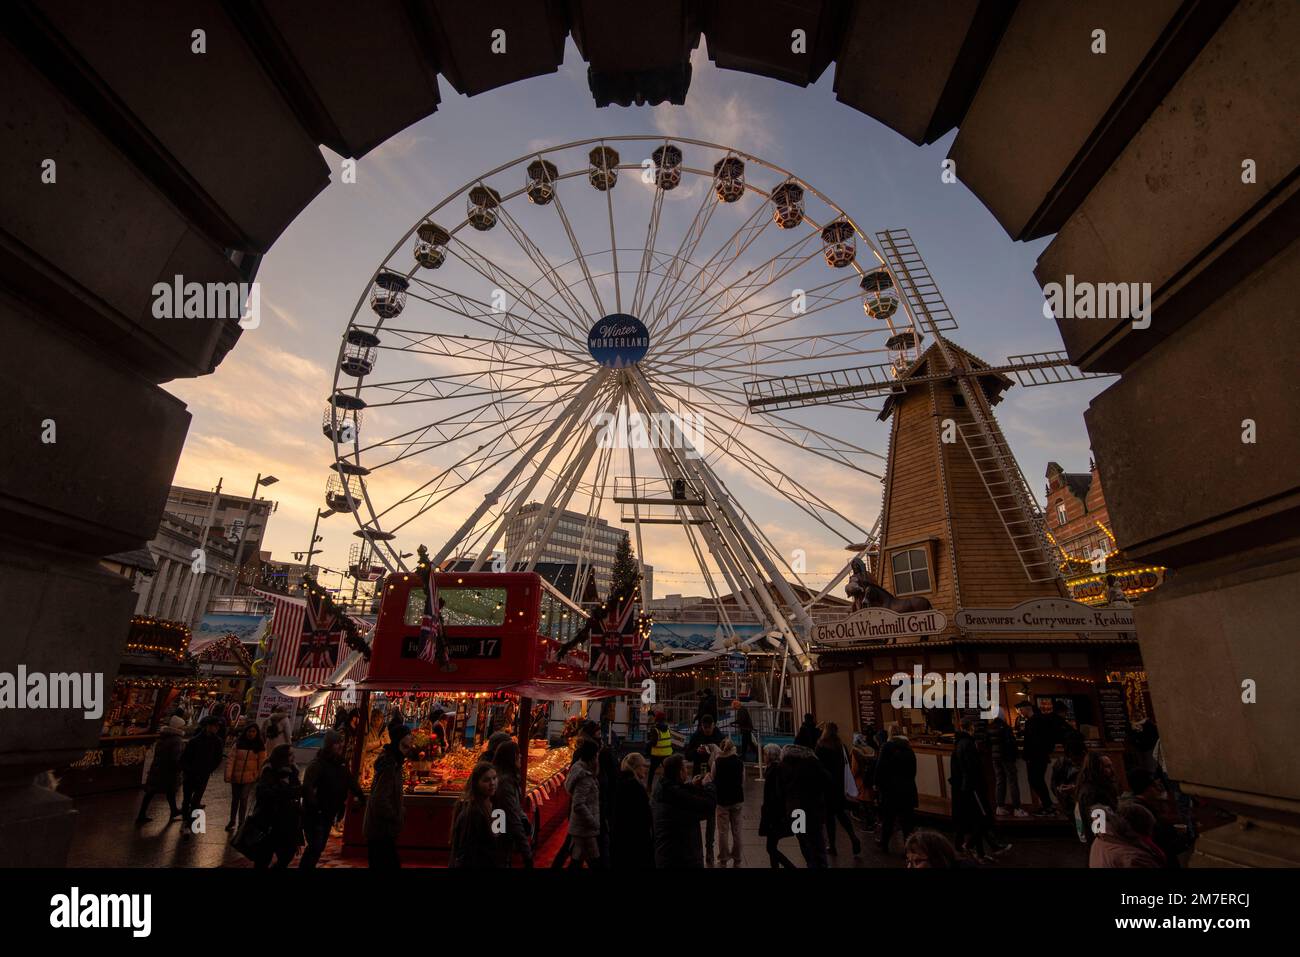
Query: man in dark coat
{"x": 1146, "y": 791}
{"x": 165, "y": 771}
{"x": 203, "y": 754}
{"x": 325, "y": 789}
{"x": 1043, "y": 731}
{"x": 385, "y": 812}
{"x": 678, "y": 808}
{"x": 806, "y": 784}
{"x": 896, "y": 794}
{"x": 808, "y": 734}
{"x": 698, "y": 751}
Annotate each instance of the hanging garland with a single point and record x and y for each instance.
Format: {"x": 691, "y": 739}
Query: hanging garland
{"x": 351, "y": 635}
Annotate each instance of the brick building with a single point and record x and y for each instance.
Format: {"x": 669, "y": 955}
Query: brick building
{"x": 1079, "y": 524}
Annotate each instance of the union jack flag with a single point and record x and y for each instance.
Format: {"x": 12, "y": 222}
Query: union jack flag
{"x": 642, "y": 664}
{"x": 607, "y": 634}
{"x": 321, "y": 631}
{"x": 433, "y": 644}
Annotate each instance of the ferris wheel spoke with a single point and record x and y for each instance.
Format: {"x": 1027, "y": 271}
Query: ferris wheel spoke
{"x": 771, "y": 315}
{"x": 648, "y": 251}
{"x": 725, "y": 256}
{"x": 547, "y": 271}
{"x": 580, "y": 257}
{"x": 835, "y": 450}
{"x": 473, "y": 416}
{"x": 743, "y": 288}
{"x": 546, "y": 316}
{"x": 468, "y": 307}
{"x": 680, "y": 260}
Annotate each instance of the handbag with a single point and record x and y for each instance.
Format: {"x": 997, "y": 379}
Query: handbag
{"x": 251, "y": 837}
{"x": 850, "y": 785}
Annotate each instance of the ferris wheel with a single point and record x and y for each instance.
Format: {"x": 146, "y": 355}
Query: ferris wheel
{"x": 574, "y": 329}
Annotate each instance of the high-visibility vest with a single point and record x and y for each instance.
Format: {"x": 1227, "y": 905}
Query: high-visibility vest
{"x": 663, "y": 745}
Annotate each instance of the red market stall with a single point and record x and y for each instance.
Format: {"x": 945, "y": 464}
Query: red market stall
{"x": 503, "y": 634}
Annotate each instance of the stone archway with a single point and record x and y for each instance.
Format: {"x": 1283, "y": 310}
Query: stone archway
{"x": 1168, "y": 158}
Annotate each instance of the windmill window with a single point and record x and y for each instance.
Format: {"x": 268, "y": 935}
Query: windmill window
{"x": 911, "y": 571}
{"x": 1060, "y": 513}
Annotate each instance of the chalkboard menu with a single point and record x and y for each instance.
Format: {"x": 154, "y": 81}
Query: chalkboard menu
{"x": 866, "y": 707}
{"x": 1114, "y": 711}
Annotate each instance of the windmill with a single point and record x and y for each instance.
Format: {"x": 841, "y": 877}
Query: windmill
{"x": 965, "y": 415}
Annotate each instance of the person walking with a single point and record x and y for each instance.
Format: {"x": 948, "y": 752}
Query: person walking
{"x": 834, "y": 757}
{"x": 700, "y": 748}
{"x": 165, "y": 772}
{"x": 808, "y": 734}
{"x": 631, "y": 835}
{"x": 969, "y": 793}
{"x": 745, "y": 725}
{"x": 584, "y": 807}
{"x": 1144, "y": 788}
{"x": 1127, "y": 840}
{"x": 806, "y": 785}
{"x": 473, "y": 845}
{"x": 773, "y": 821}
{"x": 325, "y": 788}
{"x": 896, "y": 793}
{"x": 1042, "y": 733}
{"x": 277, "y": 730}
{"x": 728, "y": 772}
{"x": 203, "y": 754}
{"x": 1096, "y": 797}
{"x": 708, "y": 706}
{"x": 929, "y": 849}
{"x": 678, "y": 807}
{"x": 1006, "y": 780}
{"x": 385, "y": 812}
{"x": 243, "y": 768}
{"x": 509, "y": 800}
{"x": 659, "y": 738}
{"x": 278, "y": 810}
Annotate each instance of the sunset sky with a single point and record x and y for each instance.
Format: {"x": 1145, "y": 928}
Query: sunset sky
{"x": 261, "y": 410}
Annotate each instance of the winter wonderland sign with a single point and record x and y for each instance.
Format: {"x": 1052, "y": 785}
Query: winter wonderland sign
{"x": 879, "y": 624}
{"x": 618, "y": 340}
{"x": 1047, "y": 614}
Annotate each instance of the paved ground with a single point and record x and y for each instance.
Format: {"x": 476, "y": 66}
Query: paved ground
{"x": 107, "y": 837}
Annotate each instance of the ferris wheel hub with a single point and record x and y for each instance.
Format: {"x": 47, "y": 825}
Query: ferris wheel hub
{"x": 618, "y": 340}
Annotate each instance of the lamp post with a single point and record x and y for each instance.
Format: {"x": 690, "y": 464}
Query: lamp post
{"x": 260, "y": 482}
{"x": 311, "y": 548}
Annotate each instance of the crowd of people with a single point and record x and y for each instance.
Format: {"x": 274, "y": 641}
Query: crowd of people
{"x": 673, "y": 807}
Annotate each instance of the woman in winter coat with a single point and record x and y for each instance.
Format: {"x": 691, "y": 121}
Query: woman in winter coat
{"x": 584, "y": 807}
{"x": 896, "y": 796}
{"x": 509, "y": 798}
{"x": 773, "y": 821}
{"x": 473, "y": 845}
{"x": 631, "y": 839}
{"x": 385, "y": 812}
{"x": 279, "y": 809}
{"x": 679, "y": 807}
{"x": 165, "y": 771}
{"x": 1127, "y": 840}
{"x": 243, "y": 768}
{"x": 834, "y": 758}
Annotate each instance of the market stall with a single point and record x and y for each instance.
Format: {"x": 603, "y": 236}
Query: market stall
{"x": 154, "y": 677}
{"x": 496, "y": 667}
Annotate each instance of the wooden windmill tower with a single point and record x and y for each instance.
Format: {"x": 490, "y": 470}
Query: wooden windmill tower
{"x": 959, "y": 525}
